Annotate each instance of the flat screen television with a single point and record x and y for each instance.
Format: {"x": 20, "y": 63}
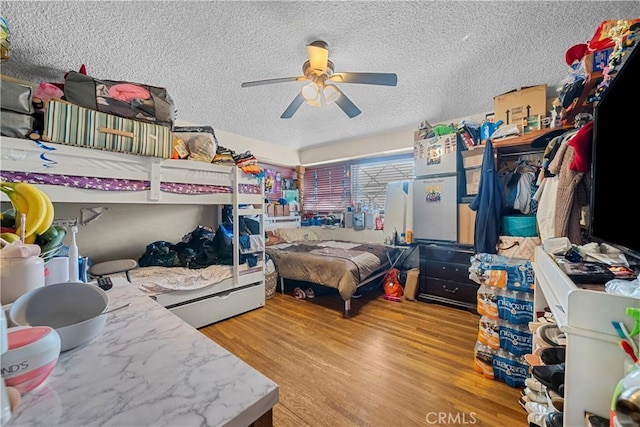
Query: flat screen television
{"x": 615, "y": 166}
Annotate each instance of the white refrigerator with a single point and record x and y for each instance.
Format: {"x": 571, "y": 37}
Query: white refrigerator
{"x": 398, "y": 212}
{"x": 435, "y": 189}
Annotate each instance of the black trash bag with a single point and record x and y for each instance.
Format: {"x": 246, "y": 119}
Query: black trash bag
{"x": 223, "y": 243}
{"x": 161, "y": 254}
{"x": 198, "y": 248}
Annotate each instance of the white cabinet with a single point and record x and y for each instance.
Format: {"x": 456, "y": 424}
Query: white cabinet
{"x": 594, "y": 361}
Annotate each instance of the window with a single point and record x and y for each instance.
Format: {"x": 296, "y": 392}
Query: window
{"x": 369, "y": 179}
{"x": 329, "y": 189}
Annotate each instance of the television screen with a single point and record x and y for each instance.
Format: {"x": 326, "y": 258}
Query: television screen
{"x": 615, "y": 168}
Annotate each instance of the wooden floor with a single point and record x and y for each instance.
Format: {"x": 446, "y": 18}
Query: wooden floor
{"x": 390, "y": 364}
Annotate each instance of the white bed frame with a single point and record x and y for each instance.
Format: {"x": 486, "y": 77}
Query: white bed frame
{"x": 244, "y": 291}
{"x": 273, "y": 222}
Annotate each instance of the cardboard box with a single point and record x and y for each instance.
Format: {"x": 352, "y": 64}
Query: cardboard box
{"x": 531, "y": 123}
{"x": 473, "y": 158}
{"x": 277, "y": 210}
{"x": 513, "y": 106}
{"x": 411, "y": 284}
{"x": 466, "y": 224}
{"x": 271, "y": 209}
{"x": 473, "y": 179}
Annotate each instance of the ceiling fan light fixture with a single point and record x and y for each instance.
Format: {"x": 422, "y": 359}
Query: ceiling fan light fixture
{"x": 311, "y": 94}
{"x": 315, "y": 102}
{"x": 331, "y": 94}
{"x": 319, "y": 70}
{"x": 318, "y": 53}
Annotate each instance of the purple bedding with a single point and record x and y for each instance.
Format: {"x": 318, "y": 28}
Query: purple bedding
{"x": 107, "y": 184}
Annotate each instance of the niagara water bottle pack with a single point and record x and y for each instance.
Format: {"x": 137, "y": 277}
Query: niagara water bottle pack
{"x": 515, "y": 274}
{"x": 505, "y": 303}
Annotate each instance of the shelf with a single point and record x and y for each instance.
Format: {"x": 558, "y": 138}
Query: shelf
{"x": 594, "y": 361}
{"x": 555, "y": 285}
{"x": 580, "y": 104}
{"x": 249, "y": 211}
{"x": 522, "y": 142}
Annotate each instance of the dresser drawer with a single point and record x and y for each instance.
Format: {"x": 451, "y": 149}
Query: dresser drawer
{"x": 443, "y": 253}
{"x": 461, "y": 292}
{"x": 446, "y": 271}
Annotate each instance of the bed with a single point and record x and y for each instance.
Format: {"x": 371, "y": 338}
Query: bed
{"x": 70, "y": 174}
{"x": 346, "y": 266}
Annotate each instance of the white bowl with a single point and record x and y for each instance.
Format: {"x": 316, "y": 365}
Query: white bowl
{"x": 32, "y": 355}
{"x": 73, "y": 309}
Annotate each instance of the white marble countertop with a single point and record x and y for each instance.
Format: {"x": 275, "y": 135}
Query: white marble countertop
{"x": 147, "y": 367}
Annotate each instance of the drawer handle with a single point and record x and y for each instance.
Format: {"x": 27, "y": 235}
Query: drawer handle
{"x": 449, "y": 290}
{"x": 224, "y": 295}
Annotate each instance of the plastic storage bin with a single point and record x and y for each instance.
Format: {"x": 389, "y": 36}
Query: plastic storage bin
{"x": 519, "y": 225}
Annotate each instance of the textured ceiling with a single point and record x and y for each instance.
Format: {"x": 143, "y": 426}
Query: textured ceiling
{"x": 451, "y": 57}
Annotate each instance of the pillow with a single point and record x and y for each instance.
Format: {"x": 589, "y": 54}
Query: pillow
{"x": 295, "y": 234}
{"x": 272, "y": 239}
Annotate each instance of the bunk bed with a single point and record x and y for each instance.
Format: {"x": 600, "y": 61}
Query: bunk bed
{"x": 70, "y": 174}
{"x": 345, "y": 266}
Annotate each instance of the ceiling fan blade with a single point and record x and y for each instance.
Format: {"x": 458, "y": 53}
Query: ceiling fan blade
{"x": 346, "y": 105}
{"x": 270, "y": 81}
{"x": 293, "y": 107}
{"x": 382, "y": 79}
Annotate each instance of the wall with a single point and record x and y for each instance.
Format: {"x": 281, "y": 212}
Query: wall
{"x": 349, "y": 234}
{"x": 394, "y": 142}
{"x": 124, "y": 231}
{"x": 275, "y": 190}
{"x": 265, "y": 152}
{"x": 373, "y": 145}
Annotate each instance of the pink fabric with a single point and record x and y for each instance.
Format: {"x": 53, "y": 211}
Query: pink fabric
{"x": 127, "y": 92}
{"x": 46, "y": 91}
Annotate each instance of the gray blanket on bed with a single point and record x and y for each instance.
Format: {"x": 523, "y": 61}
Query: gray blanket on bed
{"x": 340, "y": 265}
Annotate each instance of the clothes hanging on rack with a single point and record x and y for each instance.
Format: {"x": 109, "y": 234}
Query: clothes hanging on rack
{"x": 524, "y": 194}
{"x": 547, "y": 192}
{"x": 488, "y": 205}
{"x": 572, "y": 192}
{"x": 545, "y": 215}
{"x": 519, "y": 182}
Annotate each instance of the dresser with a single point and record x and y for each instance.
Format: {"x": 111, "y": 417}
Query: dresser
{"x": 444, "y": 275}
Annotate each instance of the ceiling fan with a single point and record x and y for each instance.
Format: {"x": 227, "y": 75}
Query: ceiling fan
{"x": 319, "y": 71}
